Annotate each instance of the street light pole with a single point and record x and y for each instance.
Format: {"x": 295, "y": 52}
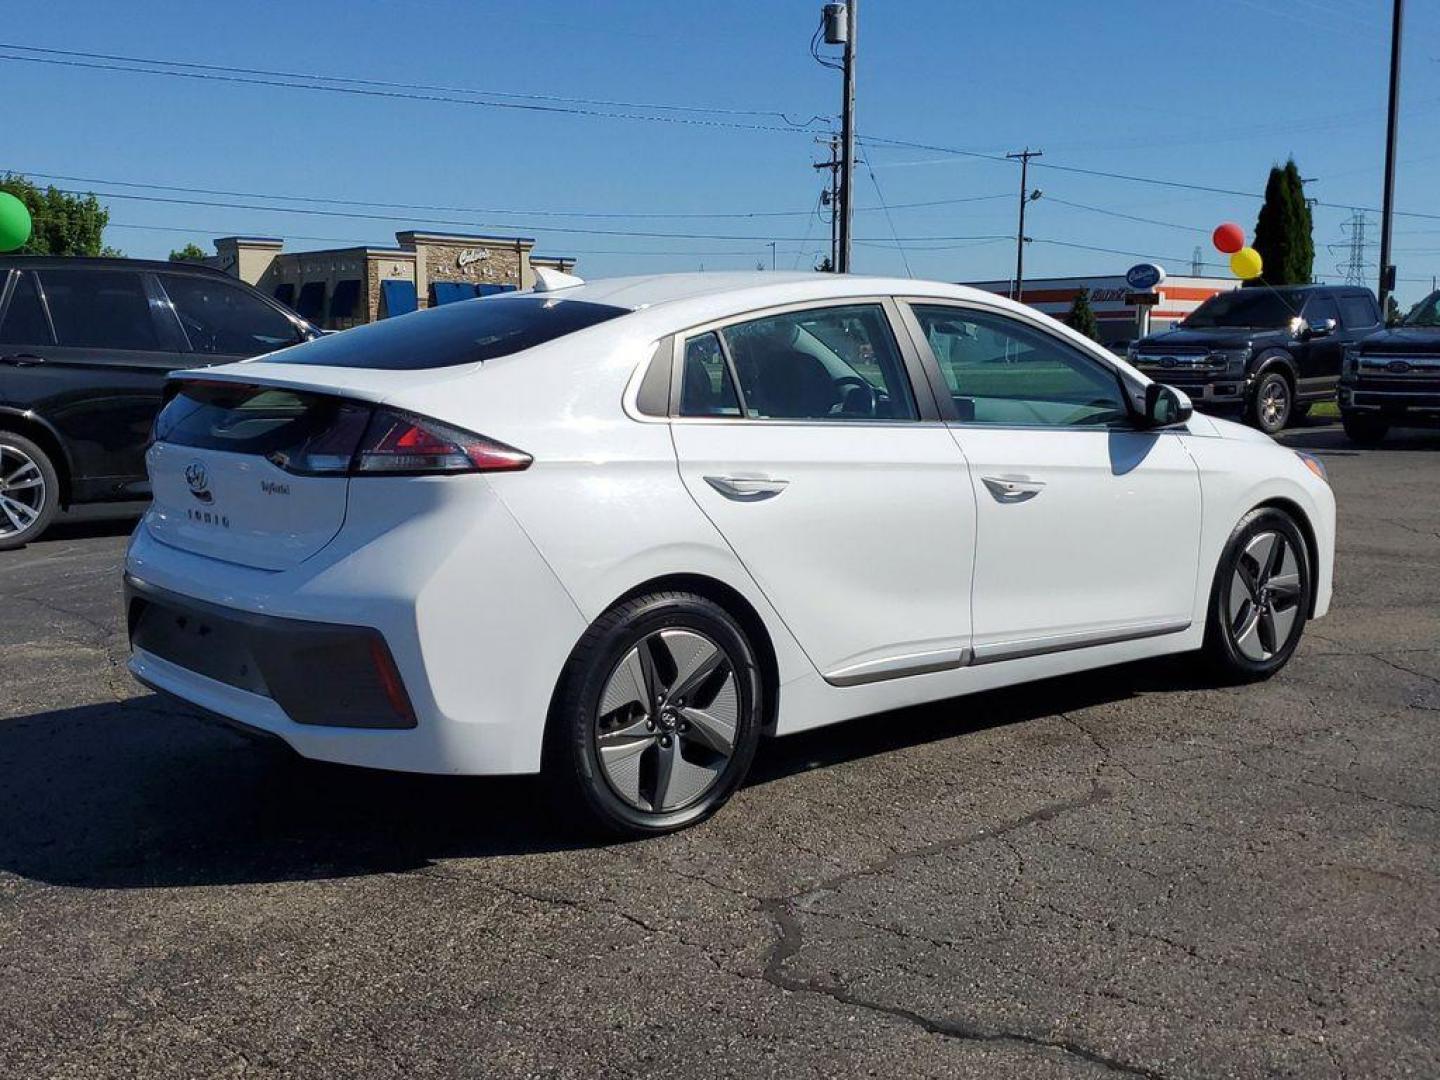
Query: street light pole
{"x": 847, "y": 137}
{"x": 1024, "y": 156}
{"x": 1387, "y": 213}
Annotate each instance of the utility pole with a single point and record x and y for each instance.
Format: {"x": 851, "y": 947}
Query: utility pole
{"x": 772, "y": 254}
{"x": 1387, "y": 215}
{"x": 1026, "y": 196}
{"x": 831, "y": 197}
{"x": 847, "y": 138}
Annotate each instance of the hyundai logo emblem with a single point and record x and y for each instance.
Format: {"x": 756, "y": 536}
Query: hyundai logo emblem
{"x": 198, "y": 481}
{"x": 1398, "y": 366}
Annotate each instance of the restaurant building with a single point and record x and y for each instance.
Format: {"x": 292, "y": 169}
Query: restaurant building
{"x": 1118, "y": 319}
{"x": 338, "y": 288}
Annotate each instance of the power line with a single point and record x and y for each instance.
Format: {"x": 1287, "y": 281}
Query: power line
{"x": 328, "y": 201}
{"x": 368, "y": 92}
{"x": 430, "y": 87}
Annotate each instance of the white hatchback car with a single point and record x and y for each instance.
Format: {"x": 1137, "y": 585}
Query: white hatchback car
{"x": 622, "y": 529}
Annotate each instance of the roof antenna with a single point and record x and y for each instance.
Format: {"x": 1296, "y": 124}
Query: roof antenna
{"x": 547, "y": 280}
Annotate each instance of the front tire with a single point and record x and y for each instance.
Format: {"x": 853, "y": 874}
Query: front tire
{"x": 1366, "y": 429}
{"x": 1260, "y": 598}
{"x": 657, "y": 716}
{"x": 1271, "y": 403}
{"x": 29, "y": 491}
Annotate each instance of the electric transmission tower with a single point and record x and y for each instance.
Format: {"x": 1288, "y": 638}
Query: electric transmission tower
{"x": 1354, "y": 265}
{"x": 1197, "y": 262}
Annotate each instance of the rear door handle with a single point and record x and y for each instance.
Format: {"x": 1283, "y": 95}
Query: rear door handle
{"x": 1013, "y": 489}
{"x": 747, "y": 488}
{"x": 22, "y": 360}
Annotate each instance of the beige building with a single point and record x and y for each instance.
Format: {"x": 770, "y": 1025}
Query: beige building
{"x": 342, "y": 287}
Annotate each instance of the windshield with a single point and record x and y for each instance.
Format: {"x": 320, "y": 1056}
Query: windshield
{"x": 461, "y": 333}
{"x": 1425, "y": 313}
{"x": 1268, "y": 309}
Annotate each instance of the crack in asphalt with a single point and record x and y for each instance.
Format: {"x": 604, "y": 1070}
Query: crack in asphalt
{"x": 790, "y": 939}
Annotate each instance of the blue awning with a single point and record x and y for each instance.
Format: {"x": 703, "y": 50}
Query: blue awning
{"x": 397, "y": 297}
{"x": 311, "y": 302}
{"x": 447, "y": 292}
{"x": 285, "y": 293}
{"x": 491, "y": 290}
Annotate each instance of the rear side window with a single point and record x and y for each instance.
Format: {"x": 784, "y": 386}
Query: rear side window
{"x": 224, "y": 319}
{"x": 455, "y": 334}
{"x": 100, "y": 309}
{"x": 1358, "y": 312}
{"x": 24, "y": 319}
{"x": 706, "y": 388}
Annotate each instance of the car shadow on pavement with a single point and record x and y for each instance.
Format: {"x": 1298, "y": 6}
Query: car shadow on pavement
{"x": 1334, "y": 440}
{"x": 142, "y": 793}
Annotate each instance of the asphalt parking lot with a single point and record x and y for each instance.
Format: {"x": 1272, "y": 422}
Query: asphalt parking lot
{"x": 1129, "y": 872}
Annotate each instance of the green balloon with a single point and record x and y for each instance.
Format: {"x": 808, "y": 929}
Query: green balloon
{"x": 14, "y": 222}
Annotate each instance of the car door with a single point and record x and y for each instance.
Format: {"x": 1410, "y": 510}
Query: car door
{"x": 98, "y": 379}
{"x": 1087, "y": 529}
{"x": 800, "y": 434}
{"x": 224, "y": 321}
{"x": 1324, "y": 353}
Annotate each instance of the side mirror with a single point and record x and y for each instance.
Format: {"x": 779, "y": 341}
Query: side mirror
{"x": 1165, "y": 406}
{"x": 1324, "y": 328}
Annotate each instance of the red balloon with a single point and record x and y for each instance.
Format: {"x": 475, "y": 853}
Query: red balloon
{"x": 1228, "y": 238}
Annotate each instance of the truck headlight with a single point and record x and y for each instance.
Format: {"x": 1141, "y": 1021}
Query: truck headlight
{"x": 1234, "y": 359}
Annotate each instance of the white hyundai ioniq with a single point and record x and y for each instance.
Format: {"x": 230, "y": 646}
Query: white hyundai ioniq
{"x": 622, "y": 530}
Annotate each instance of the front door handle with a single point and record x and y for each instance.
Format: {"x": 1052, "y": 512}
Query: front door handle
{"x": 22, "y": 360}
{"x": 747, "y": 488}
{"x": 1013, "y": 489}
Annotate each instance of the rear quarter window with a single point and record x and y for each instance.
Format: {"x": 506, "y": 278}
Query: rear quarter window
{"x": 455, "y": 334}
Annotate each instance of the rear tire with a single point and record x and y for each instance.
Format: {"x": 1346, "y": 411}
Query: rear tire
{"x": 657, "y": 716}
{"x": 29, "y": 491}
{"x": 1271, "y": 403}
{"x": 1364, "y": 428}
{"x": 1260, "y": 598}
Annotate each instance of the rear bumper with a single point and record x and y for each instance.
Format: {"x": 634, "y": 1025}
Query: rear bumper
{"x": 477, "y": 625}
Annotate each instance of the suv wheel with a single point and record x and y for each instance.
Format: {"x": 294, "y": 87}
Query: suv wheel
{"x": 657, "y": 716}
{"x": 1271, "y": 403}
{"x": 29, "y": 491}
{"x": 1260, "y": 598}
{"x": 1366, "y": 429}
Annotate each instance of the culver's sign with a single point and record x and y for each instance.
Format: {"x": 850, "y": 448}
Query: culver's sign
{"x": 472, "y": 255}
{"x": 1143, "y": 276}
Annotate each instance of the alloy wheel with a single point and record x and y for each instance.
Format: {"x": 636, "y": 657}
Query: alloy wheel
{"x": 1265, "y": 596}
{"x": 22, "y": 490}
{"x": 666, "y": 724}
{"x": 1274, "y": 404}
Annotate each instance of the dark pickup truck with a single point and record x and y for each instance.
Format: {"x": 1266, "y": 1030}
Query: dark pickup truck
{"x": 1392, "y": 378}
{"x": 1267, "y": 352}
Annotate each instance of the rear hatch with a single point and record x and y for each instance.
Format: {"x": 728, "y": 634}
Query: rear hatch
{"x": 252, "y": 474}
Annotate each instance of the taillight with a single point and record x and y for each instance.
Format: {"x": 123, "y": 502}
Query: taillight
{"x": 397, "y": 442}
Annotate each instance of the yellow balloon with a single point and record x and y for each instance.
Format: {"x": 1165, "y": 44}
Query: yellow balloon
{"x": 1246, "y": 264}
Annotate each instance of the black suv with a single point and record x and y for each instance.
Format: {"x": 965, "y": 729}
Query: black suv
{"x": 1392, "y": 378}
{"x": 85, "y": 346}
{"x": 1270, "y": 352}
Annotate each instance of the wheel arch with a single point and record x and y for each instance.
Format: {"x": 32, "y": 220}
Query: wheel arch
{"x": 1279, "y": 358}
{"x": 43, "y": 435}
{"x": 742, "y": 611}
{"x": 1296, "y": 513}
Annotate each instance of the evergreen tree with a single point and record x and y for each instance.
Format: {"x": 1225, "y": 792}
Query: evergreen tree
{"x": 1392, "y": 310}
{"x": 1081, "y": 316}
{"x": 62, "y": 224}
{"x": 1283, "y": 232}
{"x": 189, "y": 253}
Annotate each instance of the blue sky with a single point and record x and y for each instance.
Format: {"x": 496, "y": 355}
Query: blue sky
{"x": 1209, "y": 93}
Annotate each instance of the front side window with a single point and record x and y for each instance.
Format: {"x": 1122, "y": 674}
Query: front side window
{"x": 706, "y": 388}
{"x": 99, "y": 309}
{"x": 222, "y": 319}
{"x": 1002, "y": 371}
{"x": 832, "y": 363}
{"x": 24, "y": 319}
{"x": 1319, "y": 309}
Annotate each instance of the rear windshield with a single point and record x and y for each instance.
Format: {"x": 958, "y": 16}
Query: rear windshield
{"x": 453, "y": 334}
{"x": 1265, "y": 309}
